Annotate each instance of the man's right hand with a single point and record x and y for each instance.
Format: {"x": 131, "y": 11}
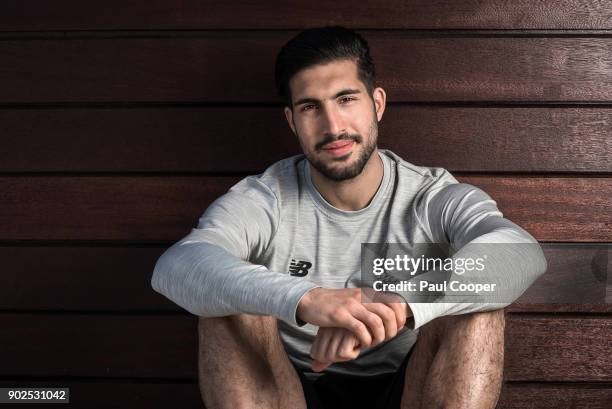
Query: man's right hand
{"x": 371, "y": 322}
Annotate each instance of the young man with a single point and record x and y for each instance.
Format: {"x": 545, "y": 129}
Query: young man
{"x": 273, "y": 267}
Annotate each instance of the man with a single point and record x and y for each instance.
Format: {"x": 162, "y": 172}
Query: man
{"x": 273, "y": 267}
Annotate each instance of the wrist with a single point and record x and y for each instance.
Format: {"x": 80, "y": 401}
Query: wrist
{"x": 302, "y": 306}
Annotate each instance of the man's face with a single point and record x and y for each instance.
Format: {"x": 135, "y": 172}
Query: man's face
{"x": 334, "y": 118}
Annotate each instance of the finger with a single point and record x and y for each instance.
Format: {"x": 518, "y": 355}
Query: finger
{"x": 317, "y": 351}
{"x": 373, "y": 322}
{"x": 398, "y": 304}
{"x": 331, "y": 353}
{"x": 356, "y": 327}
{"x": 349, "y": 347}
{"x": 400, "y": 313}
{"x": 387, "y": 315}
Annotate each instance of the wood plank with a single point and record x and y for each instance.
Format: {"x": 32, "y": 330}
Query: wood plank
{"x": 553, "y": 208}
{"x": 204, "y": 139}
{"x": 410, "y": 68}
{"x": 18, "y": 15}
{"x": 563, "y": 396}
{"x": 89, "y": 278}
{"x": 140, "y": 346}
{"x": 125, "y": 394}
{"x": 117, "y": 278}
{"x": 98, "y": 345}
{"x": 165, "y": 208}
{"x": 558, "y": 349}
{"x": 577, "y": 274}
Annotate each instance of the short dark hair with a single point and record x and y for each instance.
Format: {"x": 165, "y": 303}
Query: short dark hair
{"x": 321, "y": 46}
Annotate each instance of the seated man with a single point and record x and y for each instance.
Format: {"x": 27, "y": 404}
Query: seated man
{"x": 273, "y": 267}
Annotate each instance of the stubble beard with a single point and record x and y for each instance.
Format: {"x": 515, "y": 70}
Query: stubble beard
{"x": 356, "y": 168}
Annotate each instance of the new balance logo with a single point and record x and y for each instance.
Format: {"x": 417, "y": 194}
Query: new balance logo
{"x": 299, "y": 268}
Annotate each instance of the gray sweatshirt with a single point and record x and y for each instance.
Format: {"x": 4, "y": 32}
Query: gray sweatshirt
{"x": 259, "y": 248}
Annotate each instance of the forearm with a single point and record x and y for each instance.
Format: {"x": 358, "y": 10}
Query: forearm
{"x": 208, "y": 281}
{"x": 514, "y": 260}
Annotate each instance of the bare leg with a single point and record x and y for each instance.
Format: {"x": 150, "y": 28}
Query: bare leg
{"x": 242, "y": 364}
{"x": 457, "y": 363}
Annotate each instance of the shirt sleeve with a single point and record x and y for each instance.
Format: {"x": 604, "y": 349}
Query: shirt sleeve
{"x": 468, "y": 220}
{"x": 208, "y": 272}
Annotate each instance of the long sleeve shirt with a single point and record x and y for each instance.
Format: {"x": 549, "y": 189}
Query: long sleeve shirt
{"x": 259, "y": 248}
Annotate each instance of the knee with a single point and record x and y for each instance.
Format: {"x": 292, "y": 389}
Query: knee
{"x": 480, "y": 331}
{"x": 240, "y": 322}
{"x": 254, "y": 331}
{"x": 477, "y": 326}
{"x": 484, "y": 321}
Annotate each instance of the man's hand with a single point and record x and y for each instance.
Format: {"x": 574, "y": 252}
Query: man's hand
{"x": 370, "y": 323}
{"x": 338, "y": 344}
{"x": 333, "y": 345}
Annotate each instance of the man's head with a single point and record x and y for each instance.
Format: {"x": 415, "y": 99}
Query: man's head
{"x": 326, "y": 78}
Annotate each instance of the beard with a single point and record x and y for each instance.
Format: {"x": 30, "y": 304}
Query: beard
{"x": 347, "y": 172}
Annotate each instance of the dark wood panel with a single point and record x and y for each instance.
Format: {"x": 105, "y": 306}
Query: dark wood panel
{"x": 165, "y": 208}
{"x": 577, "y": 274}
{"x": 95, "y": 278}
{"x": 192, "y": 14}
{"x": 88, "y": 278}
{"x": 210, "y": 68}
{"x": 552, "y": 349}
{"x": 250, "y": 138}
{"x": 554, "y": 208}
{"x": 120, "y": 394}
{"x": 548, "y": 349}
{"x": 565, "y": 396}
{"x": 131, "y": 395}
{"x": 139, "y": 346}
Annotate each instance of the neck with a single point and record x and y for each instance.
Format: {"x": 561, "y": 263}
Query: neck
{"x": 352, "y": 194}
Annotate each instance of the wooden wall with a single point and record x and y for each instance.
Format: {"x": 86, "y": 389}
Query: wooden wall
{"x": 118, "y": 126}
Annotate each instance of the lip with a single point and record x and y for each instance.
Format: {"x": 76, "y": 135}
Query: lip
{"x": 339, "y": 148}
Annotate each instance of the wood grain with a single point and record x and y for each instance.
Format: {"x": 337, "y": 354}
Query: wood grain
{"x": 141, "y": 346}
{"x": 204, "y": 139}
{"x": 564, "y": 396}
{"x": 204, "y": 68}
{"x": 238, "y": 14}
{"x": 166, "y": 208}
{"x": 546, "y": 349}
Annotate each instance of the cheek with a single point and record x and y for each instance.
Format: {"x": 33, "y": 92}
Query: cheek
{"x": 306, "y": 129}
{"x": 364, "y": 123}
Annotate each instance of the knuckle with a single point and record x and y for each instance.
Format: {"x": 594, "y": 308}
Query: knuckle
{"x": 356, "y": 327}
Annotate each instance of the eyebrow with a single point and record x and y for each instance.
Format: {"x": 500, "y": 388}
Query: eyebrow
{"x": 348, "y": 91}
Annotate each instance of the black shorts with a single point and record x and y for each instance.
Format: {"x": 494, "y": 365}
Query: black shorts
{"x": 333, "y": 391}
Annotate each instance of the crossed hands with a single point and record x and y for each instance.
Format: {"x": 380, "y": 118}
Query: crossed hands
{"x": 347, "y": 324}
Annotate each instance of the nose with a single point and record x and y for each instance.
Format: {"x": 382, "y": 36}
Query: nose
{"x": 334, "y": 123}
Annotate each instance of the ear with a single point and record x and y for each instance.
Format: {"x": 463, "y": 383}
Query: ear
{"x": 289, "y": 116}
{"x": 380, "y": 100}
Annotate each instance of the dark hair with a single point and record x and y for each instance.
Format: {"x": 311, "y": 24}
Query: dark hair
{"x": 320, "y": 46}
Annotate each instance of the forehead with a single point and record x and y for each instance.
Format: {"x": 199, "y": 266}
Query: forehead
{"x": 322, "y": 80}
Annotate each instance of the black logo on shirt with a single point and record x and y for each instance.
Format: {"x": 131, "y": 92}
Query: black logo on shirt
{"x": 299, "y": 268}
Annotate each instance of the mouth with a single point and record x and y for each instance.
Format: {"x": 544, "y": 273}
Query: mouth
{"x": 338, "y": 148}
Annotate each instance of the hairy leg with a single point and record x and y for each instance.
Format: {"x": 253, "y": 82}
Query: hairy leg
{"x": 457, "y": 363}
{"x": 242, "y": 364}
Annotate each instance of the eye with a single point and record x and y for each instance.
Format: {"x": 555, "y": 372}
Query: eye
{"x": 347, "y": 99}
{"x": 307, "y": 107}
